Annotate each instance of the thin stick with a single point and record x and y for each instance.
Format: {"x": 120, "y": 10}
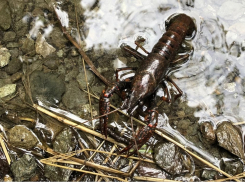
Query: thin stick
{"x": 152, "y": 179}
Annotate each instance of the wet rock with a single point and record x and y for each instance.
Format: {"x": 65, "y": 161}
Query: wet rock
{"x": 187, "y": 179}
{"x": 74, "y": 98}
{"x": 208, "y": 174}
{"x": 14, "y": 52}
{"x": 65, "y": 141}
{"x": 13, "y": 66}
{"x": 21, "y": 28}
{"x": 208, "y": 132}
{"x": 228, "y": 8}
{"x": 17, "y": 8}
{"x": 12, "y": 45}
{"x": 5, "y": 15}
{"x": 168, "y": 157}
{"x": 51, "y": 63}
{"x": 28, "y": 46}
{"x": 72, "y": 74}
{"x": 21, "y": 136}
{"x": 42, "y": 47}
{"x": 229, "y": 138}
{"x": 7, "y": 90}
{"x": 4, "y": 57}
{"x": 58, "y": 38}
{"x": 151, "y": 170}
{"x": 47, "y": 87}
{"x": 56, "y": 174}
{"x": 9, "y": 36}
{"x": 24, "y": 168}
{"x": 232, "y": 166}
{"x": 81, "y": 78}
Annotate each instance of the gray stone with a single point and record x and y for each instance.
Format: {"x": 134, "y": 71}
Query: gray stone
{"x": 9, "y": 36}
{"x": 24, "y": 168}
{"x": 46, "y": 87}
{"x": 5, "y": 15}
{"x": 12, "y": 45}
{"x": 65, "y": 141}
{"x": 82, "y": 81}
{"x": 4, "y": 56}
{"x": 56, "y": 173}
{"x": 58, "y": 38}
{"x": 74, "y": 98}
{"x": 13, "y": 66}
{"x": 21, "y": 28}
{"x": 230, "y": 139}
{"x": 28, "y": 46}
{"x": 167, "y": 156}
{"x": 21, "y": 136}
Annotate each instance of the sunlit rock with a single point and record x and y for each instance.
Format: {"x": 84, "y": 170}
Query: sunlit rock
{"x": 21, "y": 136}
{"x": 42, "y": 47}
{"x": 6, "y": 90}
{"x": 4, "y": 57}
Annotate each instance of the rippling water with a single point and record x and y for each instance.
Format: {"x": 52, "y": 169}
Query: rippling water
{"x": 214, "y": 77}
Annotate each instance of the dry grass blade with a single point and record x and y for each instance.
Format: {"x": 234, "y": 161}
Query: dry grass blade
{"x": 5, "y": 149}
{"x": 238, "y": 123}
{"x": 27, "y": 119}
{"x": 152, "y": 179}
{"x": 58, "y": 156}
{"x": 84, "y": 171}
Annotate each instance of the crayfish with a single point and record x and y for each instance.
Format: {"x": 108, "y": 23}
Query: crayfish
{"x": 152, "y": 74}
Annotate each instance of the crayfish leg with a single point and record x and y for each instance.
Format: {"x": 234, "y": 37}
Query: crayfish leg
{"x": 104, "y": 107}
{"x": 143, "y": 135}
